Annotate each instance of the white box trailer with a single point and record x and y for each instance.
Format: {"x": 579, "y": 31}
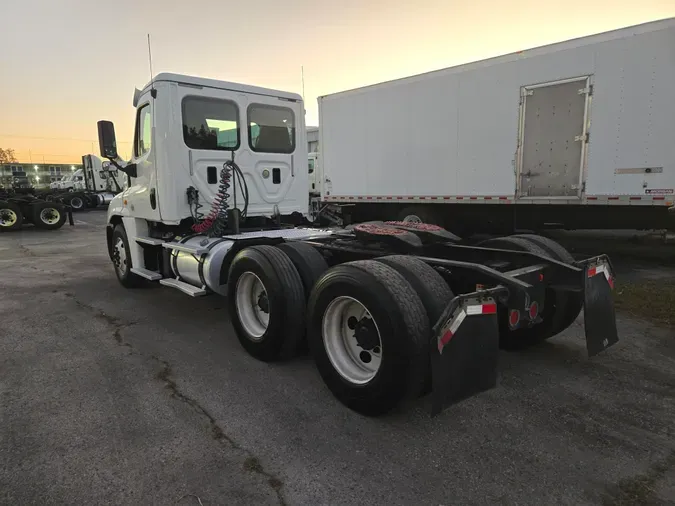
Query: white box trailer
{"x": 579, "y": 134}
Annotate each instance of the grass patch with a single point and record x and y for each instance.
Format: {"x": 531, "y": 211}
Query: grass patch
{"x": 648, "y": 299}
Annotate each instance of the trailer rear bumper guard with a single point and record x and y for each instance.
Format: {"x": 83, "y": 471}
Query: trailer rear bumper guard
{"x": 599, "y": 317}
{"x": 465, "y": 348}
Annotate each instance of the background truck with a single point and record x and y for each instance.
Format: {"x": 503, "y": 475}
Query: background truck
{"x": 390, "y": 311}
{"x": 92, "y": 186}
{"x": 571, "y": 135}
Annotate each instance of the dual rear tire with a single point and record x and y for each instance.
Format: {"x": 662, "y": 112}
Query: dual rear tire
{"x": 368, "y": 323}
{"x": 561, "y": 308}
{"x": 43, "y": 214}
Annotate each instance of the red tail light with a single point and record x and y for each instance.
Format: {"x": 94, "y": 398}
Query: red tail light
{"x": 534, "y": 310}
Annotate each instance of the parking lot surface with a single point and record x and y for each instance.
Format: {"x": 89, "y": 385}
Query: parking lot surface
{"x": 118, "y": 396}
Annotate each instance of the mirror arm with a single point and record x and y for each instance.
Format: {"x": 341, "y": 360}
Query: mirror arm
{"x": 129, "y": 169}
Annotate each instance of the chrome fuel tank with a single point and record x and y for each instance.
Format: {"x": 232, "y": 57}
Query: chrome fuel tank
{"x": 197, "y": 260}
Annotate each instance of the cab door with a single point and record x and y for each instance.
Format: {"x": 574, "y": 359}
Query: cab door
{"x": 142, "y": 192}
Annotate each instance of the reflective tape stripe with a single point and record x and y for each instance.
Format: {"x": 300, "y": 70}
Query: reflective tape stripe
{"x": 601, "y": 269}
{"x": 474, "y": 309}
{"x": 617, "y": 200}
{"x": 481, "y": 309}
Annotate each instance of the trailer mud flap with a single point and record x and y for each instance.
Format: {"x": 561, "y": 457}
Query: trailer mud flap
{"x": 464, "y": 353}
{"x": 599, "y": 317}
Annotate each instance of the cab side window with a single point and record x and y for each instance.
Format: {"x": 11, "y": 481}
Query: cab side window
{"x": 143, "y": 135}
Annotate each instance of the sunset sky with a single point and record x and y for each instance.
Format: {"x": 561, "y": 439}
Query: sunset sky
{"x": 64, "y": 64}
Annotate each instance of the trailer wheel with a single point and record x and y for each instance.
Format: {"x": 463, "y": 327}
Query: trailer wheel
{"x": 419, "y": 214}
{"x": 266, "y": 302}
{"x": 76, "y": 202}
{"x": 368, "y": 332}
{"x": 121, "y": 257}
{"x": 309, "y": 263}
{"x": 48, "y": 215}
{"x": 11, "y": 216}
{"x": 554, "y": 309}
{"x": 574, "y": 301}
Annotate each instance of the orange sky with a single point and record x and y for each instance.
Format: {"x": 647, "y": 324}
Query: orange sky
{"x": 67, "y": 63}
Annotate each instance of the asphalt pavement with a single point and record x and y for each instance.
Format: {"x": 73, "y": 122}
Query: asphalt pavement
{"x": 116, "y": 396}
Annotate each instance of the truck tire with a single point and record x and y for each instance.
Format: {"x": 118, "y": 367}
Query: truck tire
{"x": 309, "y": 263}
{"x": 48, "y": 215}
{"x": 11, "y": 217}
{"x": 575, "y": 301}
{"x": 76, "y": 202}
{"x": 554, "y": 249}
{"x": 266, "y": 302}
{"x": 121, "y": 257}
{"x": 555, "y": 306}
{"x": 432, "y": 289}
{"x": 420, "y": 214}
{"x": 390, "y": 360}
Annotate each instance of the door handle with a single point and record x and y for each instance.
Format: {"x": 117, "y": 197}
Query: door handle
{"x": 153, "y": 198}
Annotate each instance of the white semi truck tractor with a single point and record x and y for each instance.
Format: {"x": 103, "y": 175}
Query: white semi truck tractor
{"x": 391, "y": 311}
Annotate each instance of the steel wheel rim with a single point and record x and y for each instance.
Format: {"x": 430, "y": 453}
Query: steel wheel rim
{"x": 345, "y": 353}
{"x": 412, "y": 218}
{"x": 50, "y": 216}
{"x": 8, "y": 218}
{"x": 252, "y": 303}
{"x": 76, "y": 203}
{"x": 120, "y": 257}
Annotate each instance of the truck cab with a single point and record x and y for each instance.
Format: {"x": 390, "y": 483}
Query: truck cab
{"x": 187, "y": 128}
{"x": 74, "y": 181}
{"x": 100, "y": 176}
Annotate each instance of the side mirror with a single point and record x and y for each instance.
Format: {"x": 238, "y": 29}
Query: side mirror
{"x": 106, "y": 139}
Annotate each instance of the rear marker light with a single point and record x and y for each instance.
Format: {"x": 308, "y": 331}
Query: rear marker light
{"x": 534, "y": 310}
{"x": 514, "y": 317}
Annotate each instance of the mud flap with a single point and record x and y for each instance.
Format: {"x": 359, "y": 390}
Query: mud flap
{"x": 464, "y": 353}
{"x": 599, "y": 318}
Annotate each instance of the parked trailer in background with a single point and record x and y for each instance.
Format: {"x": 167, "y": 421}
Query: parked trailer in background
{"x": 571, "y": 135}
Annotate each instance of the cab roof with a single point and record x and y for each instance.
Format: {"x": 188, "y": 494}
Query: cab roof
{"x": 222, "y": 85}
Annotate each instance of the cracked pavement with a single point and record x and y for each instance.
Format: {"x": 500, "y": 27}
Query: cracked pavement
{"x": 115, "y": 396}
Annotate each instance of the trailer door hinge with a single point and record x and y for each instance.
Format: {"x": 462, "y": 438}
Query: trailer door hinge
{"x": 583, "y": 138}
{"x": 527, "y": 93}
{"x": 586, "y": 91}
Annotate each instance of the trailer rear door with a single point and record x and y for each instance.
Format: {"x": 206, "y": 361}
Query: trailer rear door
{"x": 553, "y": 139}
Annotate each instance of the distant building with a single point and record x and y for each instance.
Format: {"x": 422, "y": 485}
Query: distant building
{"x": 37, "y": 174}
{"x": 312, "y": 139}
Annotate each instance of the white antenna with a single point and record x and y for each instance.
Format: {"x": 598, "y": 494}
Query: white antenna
{"x": 152, "y": 84}
{"x": 302, "y": 73}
